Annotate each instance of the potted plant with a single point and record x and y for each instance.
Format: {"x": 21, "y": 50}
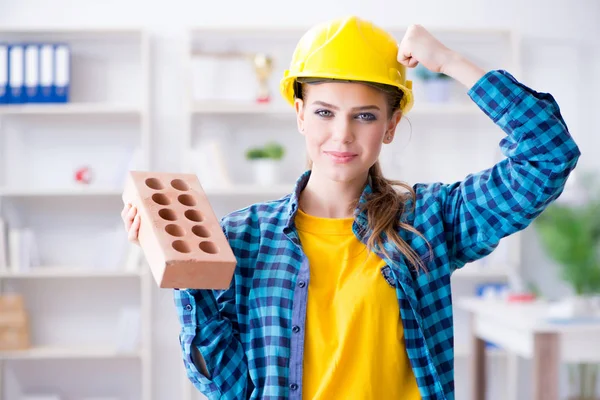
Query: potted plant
{"x": 436, "y": 84}
{"x": 569, "y": 232}
{"x": 265, "y": 162}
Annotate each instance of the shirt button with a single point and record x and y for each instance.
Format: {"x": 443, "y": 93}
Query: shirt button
{"x": 301, "y": 283}
{"x": 293, "y": 386}
{"x": 188, "y": 307}
{"x": 296, "y": 329}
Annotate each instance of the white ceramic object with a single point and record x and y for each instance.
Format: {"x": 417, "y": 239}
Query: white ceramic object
{"x": 266, "y": 171}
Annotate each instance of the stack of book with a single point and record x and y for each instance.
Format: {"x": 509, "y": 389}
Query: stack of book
{"x": 14, "y": 323}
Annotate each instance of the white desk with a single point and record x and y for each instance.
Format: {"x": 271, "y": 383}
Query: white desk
{"x": 523, "y": 329}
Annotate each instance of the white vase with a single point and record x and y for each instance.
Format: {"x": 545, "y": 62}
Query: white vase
{"x": 437, "y": 90}
{"x": 266, "y": 171}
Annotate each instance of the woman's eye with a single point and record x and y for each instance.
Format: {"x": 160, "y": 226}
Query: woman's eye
{"x": 324, "y": 113}
{"x": 366, "y": 117}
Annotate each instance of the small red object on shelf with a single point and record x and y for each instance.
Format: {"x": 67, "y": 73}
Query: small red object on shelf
{"x": 520, "y": 297}
{"x": 83, "y": 175}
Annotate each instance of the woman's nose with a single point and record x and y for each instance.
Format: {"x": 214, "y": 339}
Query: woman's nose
{"x": 342, "y": 131}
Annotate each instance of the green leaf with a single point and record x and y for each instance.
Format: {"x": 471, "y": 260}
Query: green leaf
{"x": 274, "y": 150}
{"x": 256, "y": 153}
{"x": 571, "y": 236}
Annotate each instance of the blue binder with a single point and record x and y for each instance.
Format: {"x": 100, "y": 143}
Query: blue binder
{"x": 3, "y": 73}
{"x": 46, "y": 73}
{"x": 62, "y": 73}
{"x": 16, "y": 72}
{"x": 32, "y": 73}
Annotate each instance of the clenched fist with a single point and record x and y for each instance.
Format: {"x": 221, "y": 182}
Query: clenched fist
{"x": 418, "y": 46}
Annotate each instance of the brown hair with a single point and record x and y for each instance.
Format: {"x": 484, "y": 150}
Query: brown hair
{"x": 385, "y": 204}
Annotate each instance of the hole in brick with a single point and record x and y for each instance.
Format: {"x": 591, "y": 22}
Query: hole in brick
{"x": 201, "y": 231}
{"x": 174, "y": 230}
{"x": 209, "y": 247}
{"x": 161, "y": 199}
{"x": 187, "y": 200}
{"x": 194, "y": 215}
{"x": 154, "y": 183}
{"x": 179, "y": 184}
{"x": 181, "y": 246}
{"x": 168, "y": 214}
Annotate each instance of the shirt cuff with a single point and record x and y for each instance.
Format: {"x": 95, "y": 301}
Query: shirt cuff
{"x": 495, "y": 92}
{"x": 198, "y": 305}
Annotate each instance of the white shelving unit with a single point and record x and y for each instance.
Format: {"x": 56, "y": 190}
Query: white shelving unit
{"x": 222, "y": 109}
{"x": 76, "y": 294}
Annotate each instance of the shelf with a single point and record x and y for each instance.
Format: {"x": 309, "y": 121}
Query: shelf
{"x": 70, "y": 109}
{"x": 64, "y": 352}
{"x": 69, "y": 272}
{"x": 240, "y": 107}
{"x": 236, "y": 190}
{"x": 475, "y": 272}
{"x": 76, "y": 31}
{"x": 250, "y": 190}
{"x": 445, "y": 109}
{"x": 64, "y": 192}
{"x": 296, "y": 31}
{"x": 463, "y": 351}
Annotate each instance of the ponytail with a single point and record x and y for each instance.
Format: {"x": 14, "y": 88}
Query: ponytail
{"x": 383, "y": 209}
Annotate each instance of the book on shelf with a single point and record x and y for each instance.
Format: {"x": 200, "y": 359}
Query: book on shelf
{"x": 23, "y": 250}
{"x": 134, "y": 258}
{"x": 128, "y": 330}
{"x": 3, "y": 245}
{"x": 115, "y": 252}
{"x": 208, "y": 163}
{"x": 14, "y": 323}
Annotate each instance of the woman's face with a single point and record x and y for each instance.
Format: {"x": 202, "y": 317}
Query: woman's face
{"x": 344, "y": 125}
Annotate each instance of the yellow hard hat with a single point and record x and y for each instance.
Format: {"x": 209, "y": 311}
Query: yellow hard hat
{"x": 348, "y": 48}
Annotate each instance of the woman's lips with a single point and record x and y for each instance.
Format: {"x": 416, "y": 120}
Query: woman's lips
{"x": 341, "y": 157}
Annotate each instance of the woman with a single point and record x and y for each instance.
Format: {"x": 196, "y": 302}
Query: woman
{"x": 342, "y": 288}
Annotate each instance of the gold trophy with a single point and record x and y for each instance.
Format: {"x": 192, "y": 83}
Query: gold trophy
{"x": 263, "y": 67}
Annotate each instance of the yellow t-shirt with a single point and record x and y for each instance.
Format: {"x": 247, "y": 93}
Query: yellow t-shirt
{"x": 354, "y": 339}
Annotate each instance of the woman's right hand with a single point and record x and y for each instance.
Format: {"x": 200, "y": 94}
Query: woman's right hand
{"x": 131, "y": 219}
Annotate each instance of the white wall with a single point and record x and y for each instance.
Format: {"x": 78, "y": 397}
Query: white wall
{"x": 561, "y": 54}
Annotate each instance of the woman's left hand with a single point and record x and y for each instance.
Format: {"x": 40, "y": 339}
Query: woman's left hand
{"x": 420, "y": 46}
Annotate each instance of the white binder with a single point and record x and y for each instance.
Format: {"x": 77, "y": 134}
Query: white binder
{"x": 62, "y": 75}
{"x": 32, "y": 73}
{"x": 3, "y": 73}
{"x": 16, "y": 71}
{"x": 46, "y": 72}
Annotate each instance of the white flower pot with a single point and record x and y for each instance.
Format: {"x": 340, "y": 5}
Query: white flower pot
{"x": 266, "y": 171}
{"x": 437, "y": 90}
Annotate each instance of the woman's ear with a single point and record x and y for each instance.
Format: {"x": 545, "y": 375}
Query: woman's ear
{"x": 390, "y": 130}
{"x": 299, "y": 106}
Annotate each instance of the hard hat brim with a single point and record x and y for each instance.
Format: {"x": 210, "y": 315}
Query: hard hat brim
{"x": 287, "y": 86}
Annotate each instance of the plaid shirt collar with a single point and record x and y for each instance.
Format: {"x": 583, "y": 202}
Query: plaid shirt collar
{"x": 361, "y": 227}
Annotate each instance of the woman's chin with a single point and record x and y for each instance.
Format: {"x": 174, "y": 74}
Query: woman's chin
{"x": 343, "y": 173}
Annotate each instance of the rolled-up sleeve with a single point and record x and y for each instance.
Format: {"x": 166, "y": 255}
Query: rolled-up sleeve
{"x": 539, "y": 155}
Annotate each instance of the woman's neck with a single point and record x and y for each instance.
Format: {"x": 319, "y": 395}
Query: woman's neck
{"x": 326, "y": 198}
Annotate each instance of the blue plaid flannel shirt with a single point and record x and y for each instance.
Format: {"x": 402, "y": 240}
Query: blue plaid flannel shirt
{"x": 251, "y": 335}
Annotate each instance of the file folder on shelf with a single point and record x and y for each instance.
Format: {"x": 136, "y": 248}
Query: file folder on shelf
{"x": 3, "y": 73}
{"x": 46, "y": 72}
{"x": 32, "y": 73}
{"x": 16, "y": 71}
{"x": 62, "y": 73}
